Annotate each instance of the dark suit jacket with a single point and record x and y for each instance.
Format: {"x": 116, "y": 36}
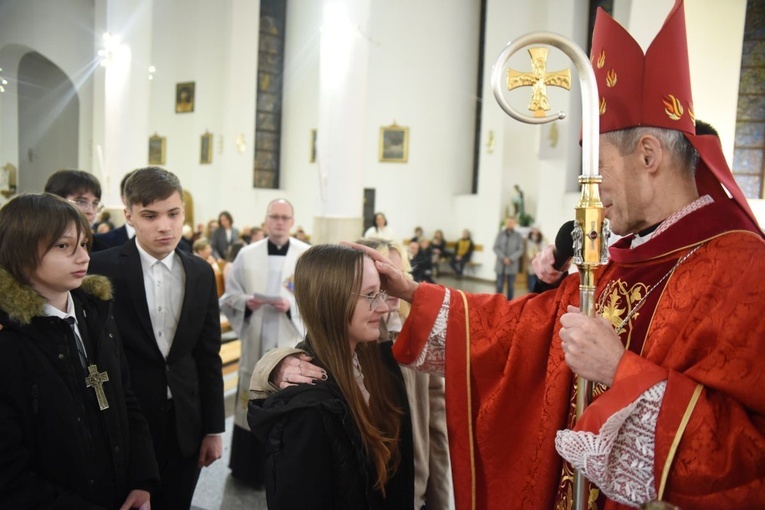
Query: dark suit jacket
{"x": 219, "y": 243}
{"x": 193, "y": 366}
{"x": 115, "y": 237}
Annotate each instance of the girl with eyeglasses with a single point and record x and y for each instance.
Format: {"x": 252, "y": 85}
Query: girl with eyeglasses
{"x": 344, "y": 441}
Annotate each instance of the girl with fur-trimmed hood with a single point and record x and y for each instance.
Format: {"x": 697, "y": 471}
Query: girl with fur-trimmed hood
{"x": 71, "y": 432}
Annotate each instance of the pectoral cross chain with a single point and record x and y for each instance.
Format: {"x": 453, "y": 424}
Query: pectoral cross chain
{"x": 96, "y": 380}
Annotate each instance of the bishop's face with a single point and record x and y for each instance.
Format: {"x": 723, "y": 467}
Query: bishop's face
{"x": 624, "y": 204}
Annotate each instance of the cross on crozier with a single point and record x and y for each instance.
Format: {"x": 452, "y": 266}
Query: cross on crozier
{"x": 538, "y": 79}
{"x": 96, "y": 380}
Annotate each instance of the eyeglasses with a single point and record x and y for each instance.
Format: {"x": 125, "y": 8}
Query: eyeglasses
{"x": 83, "y": 204}
{"x": 375, "y": 299}
{"x": 277, "y": 217}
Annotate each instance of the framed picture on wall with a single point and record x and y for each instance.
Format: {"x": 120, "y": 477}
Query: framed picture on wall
{"x": 157, "y": 149}
{"x": 312, "y": 158}
{"x": 184, "y": 97}
{"x": 394, "y": 144}
{"x": 206, "y": 148}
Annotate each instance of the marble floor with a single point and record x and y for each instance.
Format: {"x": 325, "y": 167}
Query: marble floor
{"x": 216, "y": 490}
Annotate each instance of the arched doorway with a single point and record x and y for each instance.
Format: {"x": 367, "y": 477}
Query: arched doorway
{"x": 49, "y": 121}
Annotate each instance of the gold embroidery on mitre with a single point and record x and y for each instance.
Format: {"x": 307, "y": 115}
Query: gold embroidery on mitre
{"x": 672, "y": 107}
{"x": 611, "y": 78}
{"x": 602, "y": 108}
{"x": 691, "y": 113}
{"x": 602, "y": 59}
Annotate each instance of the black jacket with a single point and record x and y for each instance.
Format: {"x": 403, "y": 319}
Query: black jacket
{"x": 57, "y": 449}
{"x": 314, "y": 455}
{"x": 192, "y": 369}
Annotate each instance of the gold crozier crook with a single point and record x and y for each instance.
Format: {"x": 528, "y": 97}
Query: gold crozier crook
{"x": 591, "y": 231}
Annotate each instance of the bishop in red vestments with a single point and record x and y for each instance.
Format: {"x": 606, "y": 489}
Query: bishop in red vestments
{"x": 678, "y": 349}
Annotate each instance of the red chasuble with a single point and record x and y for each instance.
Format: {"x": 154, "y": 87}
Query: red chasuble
{"x": 508, "y": 388}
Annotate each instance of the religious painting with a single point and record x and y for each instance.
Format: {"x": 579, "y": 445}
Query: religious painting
{"x": 8, "y": 180}
{"x": 206, "y": 148}
{"x": 157, "y": 149}
{"x": 394, "y": 144}
{"x": 313, "y": 147}
{"x": 184, "y": 97}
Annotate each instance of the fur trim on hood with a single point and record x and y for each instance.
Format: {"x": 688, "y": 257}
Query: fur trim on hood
{"x": 22, "y": 302}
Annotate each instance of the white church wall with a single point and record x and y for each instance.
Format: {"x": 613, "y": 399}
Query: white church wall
{"x": 61, "y": 32}
{"x": 423, "y": 76}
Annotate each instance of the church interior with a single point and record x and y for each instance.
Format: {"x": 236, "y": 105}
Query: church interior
{"x": 343, "y": 107}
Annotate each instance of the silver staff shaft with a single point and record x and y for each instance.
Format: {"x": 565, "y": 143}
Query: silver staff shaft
{"x": 591, "y": 232}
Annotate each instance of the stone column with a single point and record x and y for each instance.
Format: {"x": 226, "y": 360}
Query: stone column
{"x": 343, "y": 62}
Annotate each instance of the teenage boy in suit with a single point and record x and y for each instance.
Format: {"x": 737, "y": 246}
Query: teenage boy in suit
{"x": 166, "y": 308}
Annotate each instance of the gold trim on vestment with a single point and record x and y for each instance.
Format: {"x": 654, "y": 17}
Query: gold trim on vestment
{"x": 676, "y": 440}
{"x": 469, "y": 401}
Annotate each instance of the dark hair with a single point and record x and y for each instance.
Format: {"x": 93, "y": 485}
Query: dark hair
{"x": 124, "y": 181}
{"x": 66, "y": 183}
{"x": 148, "y": 185}
{"x": 227, "y": 215}
{"x": 30, "y": 225}
{"x": 705, "y": 128}
{"x": 374, "y": 220}
{"x": 233, "y": 250}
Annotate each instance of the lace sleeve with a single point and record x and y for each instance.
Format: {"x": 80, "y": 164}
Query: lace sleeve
{"x": 620, "y": 458}
{"x": 432, "y": 359}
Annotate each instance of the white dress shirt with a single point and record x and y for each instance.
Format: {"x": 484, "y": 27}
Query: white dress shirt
{"x": 165, "y": 283}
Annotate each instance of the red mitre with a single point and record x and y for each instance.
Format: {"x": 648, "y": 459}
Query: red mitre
{"x": 655, "y": 90}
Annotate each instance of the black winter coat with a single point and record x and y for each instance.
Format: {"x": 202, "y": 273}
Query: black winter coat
{"x": 314, "y": 455}
{"x": 57, "y": 449}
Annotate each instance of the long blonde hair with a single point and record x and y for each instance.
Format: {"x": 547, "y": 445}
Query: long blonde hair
{"x": 327, "y": 285}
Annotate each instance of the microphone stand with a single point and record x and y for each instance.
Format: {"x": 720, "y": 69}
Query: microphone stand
{"x": 591, "y": 232}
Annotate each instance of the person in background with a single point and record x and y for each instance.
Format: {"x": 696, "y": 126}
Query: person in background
{"x": 223, "y": 236}
{"x": 380, "y": 228}
{"x": 418, "y": 234}
{"x": 257, "y": 234}
{"x": 508, "y": 247}
{"x": 344, "y": 441}
{"x": 202, "y": 249}
{"x": 300, "y": 235}
{"x": 422, "y": 262}
{"x": 260, "y": 306}
{"x": 166, "y": 308}
{"x": 535, "y": 243}
{"x": 116, "y": 236}
{"x": 79, "y": 187}
{"x": 72, "y": 434}
{"x": 462, "y": 253}
{"x": 438, "y": 249}
{"x": 233, "y": 251}
{"x": 187, "y": 238}
{"x": 211, "y": 227}
{"x": 104, "y": 223}
{"x": 245, "y": 234}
